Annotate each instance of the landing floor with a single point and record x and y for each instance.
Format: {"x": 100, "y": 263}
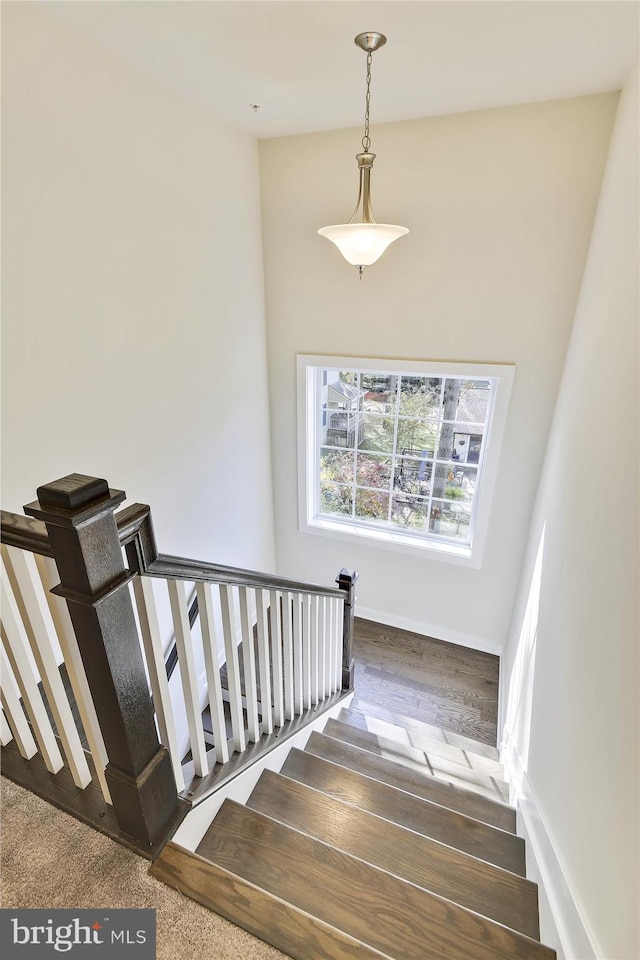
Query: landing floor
{"x": 439, "y": 683}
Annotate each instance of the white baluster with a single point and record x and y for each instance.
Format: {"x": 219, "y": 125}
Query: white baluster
{"x": 264, "y": 665}
{"x": 297, "y": 654}
{"x": 331, "y": 645}
{"x": 37, "y": 622}
{"x": 184, "y": 646}
{"x": 276, "y": 658}
{"x": 75, "y": 670}
{"x": 233, "y": 669}
{"x": 338, "y": 634}
{"x": 337, "y": 623}
{"x": 307, "y": 602}
{"x": 16, "y": 646}
{"x": 5, "y": 730}
{"x": 287, "y": 654}
{"x": 313, "y": 649}
{"x": 329, "y": 659}
{"x": 323, "y": 626}
{"x": 11, "y": 704}
{"x": 212, "y": 665}
{"x": 249, "y": 665}
{"x": 154, "y": 656}
{"x": 336, "y": 675}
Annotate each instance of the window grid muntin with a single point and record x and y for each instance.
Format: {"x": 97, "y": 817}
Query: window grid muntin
{"x": 431, "y": 457}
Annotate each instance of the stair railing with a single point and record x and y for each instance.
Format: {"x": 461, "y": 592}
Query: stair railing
{"x": 272, "y": 649}
{"x": 272, "y": 652}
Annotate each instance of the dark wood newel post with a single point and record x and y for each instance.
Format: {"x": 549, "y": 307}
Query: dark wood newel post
{"x": 346, "y": 581}
{"x": 79, "y": 514}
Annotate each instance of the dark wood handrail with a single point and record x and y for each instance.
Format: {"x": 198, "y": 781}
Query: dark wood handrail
{"x": 27, "y": 533}
{"x": 130, "y": 520}
{"x": 134, "y": 527}
{"x": 178, "y": 568}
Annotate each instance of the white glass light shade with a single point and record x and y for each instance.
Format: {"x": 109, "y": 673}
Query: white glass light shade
{"x": 361, "y": 244}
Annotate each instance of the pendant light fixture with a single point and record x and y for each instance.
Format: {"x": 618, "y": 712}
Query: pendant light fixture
{"x": 362, "y": 241}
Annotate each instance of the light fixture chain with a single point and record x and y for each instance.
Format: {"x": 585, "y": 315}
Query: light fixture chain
{"x": 366, "y": 140}
{"x": 362, "y": 241}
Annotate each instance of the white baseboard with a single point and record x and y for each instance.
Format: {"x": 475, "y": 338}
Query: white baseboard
{"x": 562, "y": 923}
{"x": 429, "y": 630}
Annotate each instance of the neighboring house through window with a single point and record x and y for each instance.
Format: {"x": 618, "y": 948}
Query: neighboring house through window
{"x": 403, "y": 453}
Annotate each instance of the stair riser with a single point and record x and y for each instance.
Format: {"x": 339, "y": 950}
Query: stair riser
{"x": 294, "y": 932}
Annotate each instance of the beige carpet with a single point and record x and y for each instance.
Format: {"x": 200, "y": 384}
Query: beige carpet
{"x": 51, "y": 860}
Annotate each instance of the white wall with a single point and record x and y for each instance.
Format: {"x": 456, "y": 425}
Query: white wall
{"x": 500, "y": 205}
{"x": 571, "y": 667}
{"x": 133, "y": 308}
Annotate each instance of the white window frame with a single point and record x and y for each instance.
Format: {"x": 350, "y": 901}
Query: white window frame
{"x": 309, "y": 426}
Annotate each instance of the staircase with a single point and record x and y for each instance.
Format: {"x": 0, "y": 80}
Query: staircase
{"x": 385, "y": 837}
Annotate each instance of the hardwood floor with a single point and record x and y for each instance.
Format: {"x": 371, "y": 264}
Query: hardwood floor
{"x": 369, "y": 842}
{"x": 428, "y": 680}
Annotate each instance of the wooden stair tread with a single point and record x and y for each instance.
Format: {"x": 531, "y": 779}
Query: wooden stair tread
{"x": 422, "y": 816}
{"x": 421, "y": 761}
{"x": 420, "y": 784}
{"x": 390, "y": 914}
{"x": 457, "y": 876}
{"x": 414, "y": 737}
{"x": 428, "y": 729}
{"x": 266, "y": 916}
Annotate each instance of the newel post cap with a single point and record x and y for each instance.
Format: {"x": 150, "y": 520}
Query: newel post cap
{"x": 346, "y": 579}
{"x": 74, "y": 500}
{"x": 347, "y": 576}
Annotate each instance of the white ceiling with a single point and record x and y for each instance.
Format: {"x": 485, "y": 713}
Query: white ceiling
{"x": 297, "y": 59}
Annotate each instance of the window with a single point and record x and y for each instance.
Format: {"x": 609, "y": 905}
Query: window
{"x": 403, "y": 454}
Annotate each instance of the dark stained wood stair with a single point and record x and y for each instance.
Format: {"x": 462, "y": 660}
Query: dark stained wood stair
{"x": 415, "y": 782}
{"x": 361, "y": 848}
{"x": 457, "y": 876}
{"x": 471, "y": 836}
{"x": 411, "y": 747}
{"x": 417, "y": 730}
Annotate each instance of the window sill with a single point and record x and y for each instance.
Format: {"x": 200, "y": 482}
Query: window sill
{"x": 388, "y": 540}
